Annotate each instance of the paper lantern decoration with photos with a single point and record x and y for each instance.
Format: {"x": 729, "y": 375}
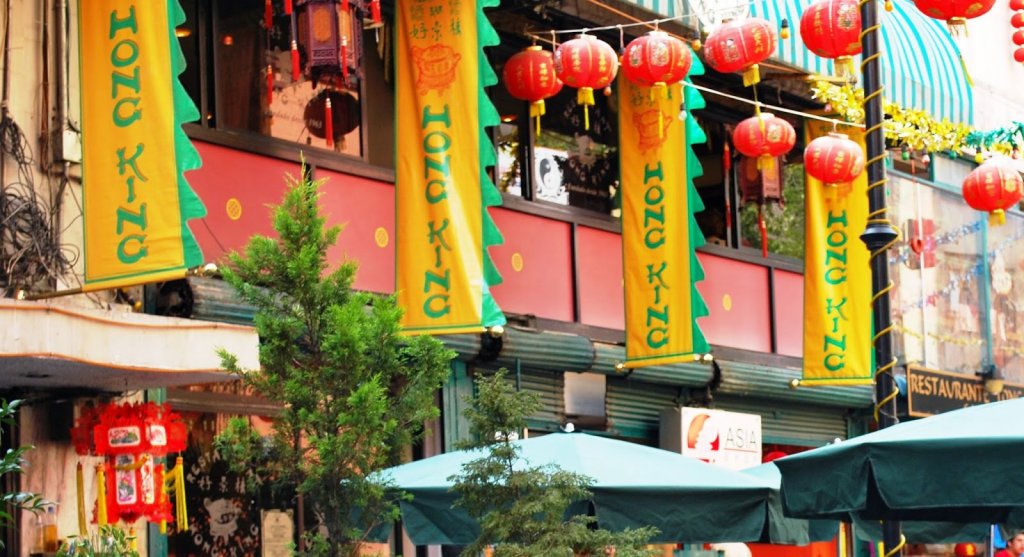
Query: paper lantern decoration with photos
{"x": 529, "y": 75}
{"x": 993, "y": 187}
{"x": 738, "y": 46}
{"x": 656, "y": 60}
{"x": 586, "y": 63}
{"x": 833, "y": 159}
{"x": 831, "y": 29}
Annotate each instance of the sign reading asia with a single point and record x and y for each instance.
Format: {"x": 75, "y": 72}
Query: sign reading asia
{"x": 729, "y": 439}
{"x": 930, "y": 391}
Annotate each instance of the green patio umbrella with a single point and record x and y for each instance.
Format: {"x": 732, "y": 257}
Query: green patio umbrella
{"x": 781, "y": 529}
{"x": 632, "y": 485}
{"x": 961, "y": 466}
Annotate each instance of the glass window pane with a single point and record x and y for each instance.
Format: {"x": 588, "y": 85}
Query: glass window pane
{"x": 1006, "y": 271}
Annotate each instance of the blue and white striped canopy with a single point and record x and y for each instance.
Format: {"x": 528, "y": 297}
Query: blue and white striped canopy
{"x": 920, "y": 62}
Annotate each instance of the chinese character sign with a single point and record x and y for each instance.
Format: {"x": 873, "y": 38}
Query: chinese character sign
{"x": 442, "y": 189}
{"x": 136, "y": 201}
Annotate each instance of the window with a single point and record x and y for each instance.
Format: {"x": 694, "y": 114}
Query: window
{"x": 239, "y": 72}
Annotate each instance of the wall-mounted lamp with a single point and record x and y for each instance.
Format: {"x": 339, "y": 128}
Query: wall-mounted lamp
{"x": 993, "y": 383}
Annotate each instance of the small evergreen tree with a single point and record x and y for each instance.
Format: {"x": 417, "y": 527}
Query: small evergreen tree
{"x": 10, "y": 464}
{"x": 353, "y": 392}
{"x": 523, "y": 510}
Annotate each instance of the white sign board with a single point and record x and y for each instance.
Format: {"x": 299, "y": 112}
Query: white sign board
{"x": 729, "y": 439}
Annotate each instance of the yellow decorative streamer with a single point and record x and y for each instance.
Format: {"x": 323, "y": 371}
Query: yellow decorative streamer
{"x": 80, "y": 494}
{"x": 101, "y": 496}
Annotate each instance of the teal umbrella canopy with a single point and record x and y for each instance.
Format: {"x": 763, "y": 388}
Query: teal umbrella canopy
{"x": 962, "y": 466}
{"x": 632, "y": 486}
{"x": 782, "y": 529}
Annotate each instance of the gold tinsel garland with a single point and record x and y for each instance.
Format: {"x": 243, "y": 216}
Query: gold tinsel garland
{"x": 910, "y": 128}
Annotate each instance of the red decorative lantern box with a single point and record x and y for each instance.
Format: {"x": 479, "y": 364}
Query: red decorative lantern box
{"x": 831, "y": 29}
{"x": 954, "y": 12}
{"x": 764, "y": 137}
{"x": 656, "y": 60}
{"x": 739, "y": 46}
{"x": 993, "y": 187}
{"x": 529, "y": 75}
{"x": 586, "y": 63}
{"x": 834, "y": 159}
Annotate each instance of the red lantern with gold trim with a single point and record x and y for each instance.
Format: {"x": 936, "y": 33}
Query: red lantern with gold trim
{"x": 831, "y": 29}
{"x": 764, "y": 137}
{"x": 656, "y": 60}
{"x": 954, "y": 12}
{"x": 738, "y": 46}
{"x": 834, "y": 159}
{"x": 993, "y": 187}
{"x": 529, "y": 75}
{"x": 586, "y": 63}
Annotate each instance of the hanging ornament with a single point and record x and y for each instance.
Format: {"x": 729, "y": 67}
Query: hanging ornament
{"x": 1017, "y": 20}
{"x": 784, "y": 29}
{"x": 760, "y": 184}
{"x": 332, "y": 114}
{"x": 656, "y": 60}
{"x": 993, "y": 187}
{"x": 954, "y": 12}
{"x": 1017, "y": 5}
{"x": 738, "y": 46}
{"x": 764, "y": 138}
{"x": 1018, "y": 37}
{"x": 529, "y": 75}
{"x": 1018, "y": 55}
{"x": 834, "y": 159}
{"x": 586, "y": 63}
{"x": 831, "y": 29}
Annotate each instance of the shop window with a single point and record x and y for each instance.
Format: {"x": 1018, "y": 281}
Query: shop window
{"x": 229, "y": 51}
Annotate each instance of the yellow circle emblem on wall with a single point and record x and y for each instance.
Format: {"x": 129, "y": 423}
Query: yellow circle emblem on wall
{"x": 517, "y": 262}
{"x": 381, "y": 237}
{"x": 727, "y": 302}
{"x": 233, "y": 208}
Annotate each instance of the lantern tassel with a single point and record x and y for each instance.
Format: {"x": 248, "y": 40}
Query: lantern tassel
{"x": 328, "y": 122}
{"x": 845, "y": 68}
{"x": 268, "y": 15}
{"x": 80, "y": 494}
{"x": 957, "y": 27}
{"x": 765, "y": 163}
{"x": 585, "y": 96}
{"x": 764, "y": 230}
{"x": 133, "y": 540}
{"x": 287, "y": 7}
{"x": 344, "y": 61}
{"x": 101, "y": 495}
{"x": 537, "y": 109}
{"x": 179, "y": 494}
{"x": 270, "y": 85}
{"x": 344, "y": 6}
{"x": 751, "y": 76}
{"x": 295, "y": 61}
{"x": 997, "y": 218}
{"x": 375, "y": 11}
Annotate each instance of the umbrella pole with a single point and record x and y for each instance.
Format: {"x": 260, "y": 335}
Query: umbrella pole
{"x": 879, "y": 236}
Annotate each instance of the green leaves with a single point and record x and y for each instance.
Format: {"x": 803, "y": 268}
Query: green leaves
{"x": 353, "y": 392}
{"x": 12, "y": 463}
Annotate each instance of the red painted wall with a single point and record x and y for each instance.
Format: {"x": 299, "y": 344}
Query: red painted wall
{"x": 789, "y": 313}
{"x": 535, "y": 264}
{"x": 737, "y": 297}
{"x": 600, "y": 278}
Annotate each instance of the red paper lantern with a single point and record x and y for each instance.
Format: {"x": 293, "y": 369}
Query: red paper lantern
{"x": 965, "y": 550}
{"x": 586, "y": 63}
{"x": 1017, "y": 4}
{"x": 764, "y": 137}
{"x": 831, "y": 29}
{"x": 529, "y": 75}
{"x": 739, "y": 46}
{"x": 993, "y": 187}
{"x": 1018, "y": 55}
{"x": 656, "y": 60}
{"x": 834, "y": 159}
{"x": 954, "y": 12}
{"x": 1017, "y": 20}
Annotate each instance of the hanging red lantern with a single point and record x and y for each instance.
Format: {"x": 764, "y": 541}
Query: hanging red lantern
{"x": 764, "y": 137}
{"x": 656, "y": 60}
{"x": 994, "y": 187}
{"x": 954, "y": 12}
{"x": 1018, "y": 37}
{"x": 1017, "y": 20}
{"x": 529, "y": 75}
{"x": 834, "y": 159}
{"x": 1017, "y": 4}
{"x": 831, "y": 29}
{"x": 1018, "y": 55}
{"x": 586, "y": 63}
{"x": 739, "y": 46}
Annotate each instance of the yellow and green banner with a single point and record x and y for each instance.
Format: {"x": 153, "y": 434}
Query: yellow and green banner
{"x": 442, "y": 187}
{"x": 134, "y": 153}
{"x": 837, "y": 278}
{"x": 659, "y": 232}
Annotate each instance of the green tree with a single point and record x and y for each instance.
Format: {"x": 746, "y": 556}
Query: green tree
{"x": 11, "y": 464}
{"x": 354, "y": 393}
{"x": 522, "y": 510}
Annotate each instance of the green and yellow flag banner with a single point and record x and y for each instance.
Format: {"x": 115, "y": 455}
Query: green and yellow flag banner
{"x": 136, "y": 200}
{"x": 659, "y": 232}
{"x": 442, "y": 187}
{"x": 837, "y": 278}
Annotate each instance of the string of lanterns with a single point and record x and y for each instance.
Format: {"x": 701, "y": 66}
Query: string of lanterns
{"x": 1017, "y": 21}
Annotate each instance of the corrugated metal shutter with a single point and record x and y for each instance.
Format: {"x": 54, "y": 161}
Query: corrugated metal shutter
{"x": 633, "y": 408}
{"x": 790, "y": 424}
{"x": 550, "y": 388}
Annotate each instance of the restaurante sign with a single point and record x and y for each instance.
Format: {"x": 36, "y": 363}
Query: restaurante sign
{"x": 930, "y": 391}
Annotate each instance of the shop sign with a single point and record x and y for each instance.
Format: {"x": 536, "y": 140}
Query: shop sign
{"x": 931, "y": 391}
{"x": 729, "y": 439}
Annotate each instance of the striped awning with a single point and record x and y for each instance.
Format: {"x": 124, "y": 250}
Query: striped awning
{"x": 920, "y": 61}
